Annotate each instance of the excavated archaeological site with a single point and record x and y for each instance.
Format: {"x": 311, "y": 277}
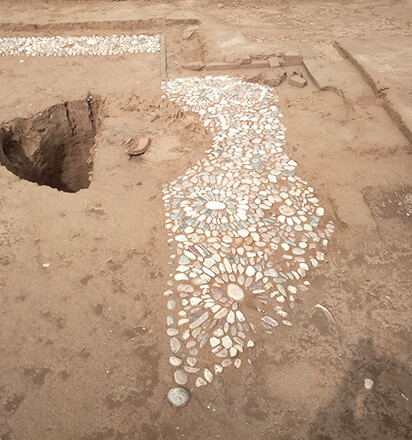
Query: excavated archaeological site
{"x": 205, "y": 220}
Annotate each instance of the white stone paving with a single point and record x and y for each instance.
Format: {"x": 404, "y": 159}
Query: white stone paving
{"x": 83, "y": 45}
{"x": 244, "y": 230}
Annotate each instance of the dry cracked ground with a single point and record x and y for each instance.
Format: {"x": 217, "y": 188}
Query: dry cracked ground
{"x": 83, "y": 250}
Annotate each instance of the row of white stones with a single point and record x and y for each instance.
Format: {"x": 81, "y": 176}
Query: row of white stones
{"x": 83, "y": 45}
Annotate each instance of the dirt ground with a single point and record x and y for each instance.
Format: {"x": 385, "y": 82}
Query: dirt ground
{"x": 83, "y": 348}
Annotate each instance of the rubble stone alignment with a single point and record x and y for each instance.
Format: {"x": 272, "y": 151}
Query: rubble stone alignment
{"x": 244, "y": 230}
{"x": 84, "y": 45}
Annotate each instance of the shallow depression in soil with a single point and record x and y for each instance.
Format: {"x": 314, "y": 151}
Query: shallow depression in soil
{"x": 55, "y": 147}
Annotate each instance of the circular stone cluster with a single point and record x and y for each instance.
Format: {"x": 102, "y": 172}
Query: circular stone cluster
{"x": 226, "y": 207}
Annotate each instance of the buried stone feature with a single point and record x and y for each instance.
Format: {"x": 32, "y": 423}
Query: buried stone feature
{"x": 244, "y": 229}
{"x": 53, "y": 148}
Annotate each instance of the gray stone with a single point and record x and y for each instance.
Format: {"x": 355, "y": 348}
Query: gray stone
{"x": 219, "y": 382}
{"x": 274, "y": 62}
{"x": 247, "y": 60}
{"x": 178, "y": 396}
{"x": 272, "y": 78}
{"x": 292, "y": 56}
{"x": 284, "y": 63}
{"x": 221, "y": 66}
{"x": 297, "y": 81}
{"x": 253, "y": 76}
{"x": 194, "y": 65}
{"x": 256, "y": 64}
{"x": 317, "y": 74}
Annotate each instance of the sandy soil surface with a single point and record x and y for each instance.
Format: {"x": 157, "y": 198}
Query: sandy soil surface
{"x": 83, "y": 348}
{"x": 386, "y": 64}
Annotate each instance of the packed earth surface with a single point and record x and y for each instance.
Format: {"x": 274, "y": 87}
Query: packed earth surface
{"x": 249, "y": 275}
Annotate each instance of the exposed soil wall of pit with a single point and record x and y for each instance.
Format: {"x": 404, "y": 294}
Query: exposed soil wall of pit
{"x": 55, "y": 147}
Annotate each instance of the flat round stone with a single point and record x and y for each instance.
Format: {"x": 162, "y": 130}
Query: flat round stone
{"x": 175, "y": 361}
{"x": 200, "y": 382}
{"x": 286, "y": 210}
{"x": 178, "y": 396}
{"x": 172, "y": 332}
{"x": 235, "y": 292}
{"x": 180, "y": 377}
{"x": 213, "y": 204}
{"x": 250, "y": 271}
{"x": 368, "y": 383}
{"x": 227, "y": 342}
{"x": 320, "y": 211}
